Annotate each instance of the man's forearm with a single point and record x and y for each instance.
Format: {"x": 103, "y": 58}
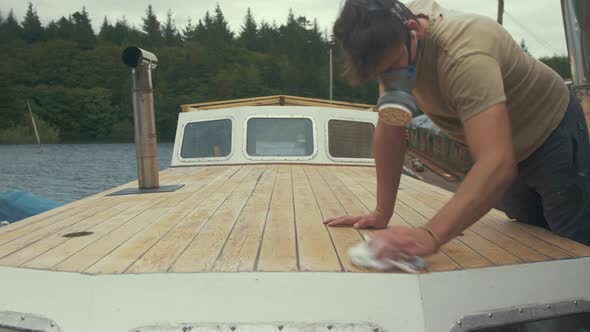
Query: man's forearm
{"x": 389, "y": 155}
{"x": 477, "y": 195}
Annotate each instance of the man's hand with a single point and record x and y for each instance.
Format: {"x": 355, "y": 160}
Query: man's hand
{"x": 401, "y": 242}
{"x": 373, "y": 220}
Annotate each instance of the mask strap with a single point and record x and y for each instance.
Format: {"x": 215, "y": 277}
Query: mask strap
{"x": 411, "y": 64}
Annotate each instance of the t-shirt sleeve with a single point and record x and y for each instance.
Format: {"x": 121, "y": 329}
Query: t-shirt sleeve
{"x": 474, "y": 85}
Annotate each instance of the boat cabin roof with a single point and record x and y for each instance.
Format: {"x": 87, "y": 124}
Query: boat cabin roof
{"x": 278, "y": 100}
{"x": 245, "y": 218}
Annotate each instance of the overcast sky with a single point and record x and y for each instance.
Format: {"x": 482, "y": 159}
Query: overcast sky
{"x": 539, "y": 22}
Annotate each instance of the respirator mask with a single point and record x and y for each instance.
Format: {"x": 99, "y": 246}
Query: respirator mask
{"x": 397, "y": 106}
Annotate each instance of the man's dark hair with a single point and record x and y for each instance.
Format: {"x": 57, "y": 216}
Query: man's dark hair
{"x": 365, "y": 30}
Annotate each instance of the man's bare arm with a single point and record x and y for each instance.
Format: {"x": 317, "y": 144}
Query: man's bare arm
{"x": 490, "y": 142}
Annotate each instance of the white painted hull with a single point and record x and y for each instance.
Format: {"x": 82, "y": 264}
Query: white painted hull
{"x": 392, "y": 302}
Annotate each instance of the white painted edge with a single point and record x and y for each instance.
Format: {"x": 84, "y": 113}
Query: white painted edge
{"x": 88, "y": 303}
{"x": 447, "y": 297}
{"x": 395, "y": 302}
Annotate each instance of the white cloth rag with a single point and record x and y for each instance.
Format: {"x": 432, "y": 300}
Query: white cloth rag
{"x": 363, "y": 255}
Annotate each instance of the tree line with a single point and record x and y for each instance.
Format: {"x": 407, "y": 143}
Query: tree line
{"x": 81, "y": 92}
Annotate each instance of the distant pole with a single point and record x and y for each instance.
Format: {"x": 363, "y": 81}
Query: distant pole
{"x": 331, "y": 77}
{"x": 500, "y": 11}
{"x": 34, "y": 125}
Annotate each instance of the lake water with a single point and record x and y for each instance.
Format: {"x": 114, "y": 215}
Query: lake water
{"x": 68, "y": 172}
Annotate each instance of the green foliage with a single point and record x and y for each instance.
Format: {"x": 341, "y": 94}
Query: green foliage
{"x": 10, "y": 29}
{"x": 25, "y": 133}
{"x": 80, "y": 90}
{"x": 171, "y": 35}
{"x": 151, "y": 27}
{"x": 249, "y": 37}
{"x": 560, "y": 64}
{"x": 32, "y": 29}
{"x": 83, "y": 33}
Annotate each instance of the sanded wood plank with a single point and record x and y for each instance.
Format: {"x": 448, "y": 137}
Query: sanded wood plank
{"x": 59, "y": 253}
{"x": 57, "y": 225}
{"x": 316, "y": 251}
{"x": 511, "y": 245}
{"x": 175, "y": 227}
{"x": 457, "y": 252}
{"x": 565, "y": 244}
{"x": 278, "y": 251}
{"x": 88, "y": 256}
{"x": 440, "y": 261}
{"x": 139, "y": 204}
{"x": 436, "y": 262}
{"x": 511, "y": 230}
{"x": 493, "y": 254}
{"x": 71, "y": 216}
{"x": 38, "y": 230}
{"x": 29, "y": 225}
{"x": 164, "y": 253}
{"x": 487, "y": 249}
{"x": 353, "y": 201}
{"x": 204, "y": 249}
{"x": 343, "y": 238}
{"x": 51, "y": 241}
{"x": 98, "y": 249}
{"x": 240, "y": 252}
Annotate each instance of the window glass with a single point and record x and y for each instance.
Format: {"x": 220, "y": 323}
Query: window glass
{"x": 279, "y": 137}
{"x": 350, "y": 139}
{"x": 209, "y": 139}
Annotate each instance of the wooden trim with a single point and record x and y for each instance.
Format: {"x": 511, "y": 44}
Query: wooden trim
{"x": 280, "y": 100}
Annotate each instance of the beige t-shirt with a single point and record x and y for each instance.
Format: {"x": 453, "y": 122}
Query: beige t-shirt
{"x": 470, "y": 63}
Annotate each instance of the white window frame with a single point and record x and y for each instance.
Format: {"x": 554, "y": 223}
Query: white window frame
{"x": 208, "y": 159}
{"x": 280, "y": 158}
{"x": 348, "y": 160}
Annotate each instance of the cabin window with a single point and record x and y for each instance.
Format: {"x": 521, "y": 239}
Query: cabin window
{"x": 570, "y": 323}
{"x": 280, "y": 137}
{"x": 350, "y": 139}
{"x": 207, "y": 139}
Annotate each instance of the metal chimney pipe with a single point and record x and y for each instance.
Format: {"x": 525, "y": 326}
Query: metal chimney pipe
{"x": 141, "y": 63}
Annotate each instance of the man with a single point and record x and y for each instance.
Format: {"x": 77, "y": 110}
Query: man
{"x": 528, "y": 137}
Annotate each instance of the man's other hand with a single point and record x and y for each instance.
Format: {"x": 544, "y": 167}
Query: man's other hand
{"x": 374, "y": 220}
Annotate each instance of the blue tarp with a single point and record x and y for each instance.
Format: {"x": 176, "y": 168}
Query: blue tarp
{"x": 17, "y": 205}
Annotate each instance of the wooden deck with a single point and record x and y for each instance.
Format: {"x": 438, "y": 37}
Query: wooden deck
{"x": 253, "y": 218}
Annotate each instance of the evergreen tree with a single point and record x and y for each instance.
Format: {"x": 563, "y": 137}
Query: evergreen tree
{"x": 151, "y": 28}
{"x": 106, "y": 31}
{"x": 249, "y": 34}
{"x": 204, "y": 29}
{"x": 171, "y": 35}
{"x": 85, "y": 94}
{"x": 32, "y": 29}
{"x": 560, "y": 64}
{"x": 83, "y": 33}
{"x": 52, "y": 31}
{"x": 10, "y": 29}
{"x": 65, "y": 28}
{"x": 122, "y": 32}
{"x": 221, "y": 30}
{"x": 188, "y": 33}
